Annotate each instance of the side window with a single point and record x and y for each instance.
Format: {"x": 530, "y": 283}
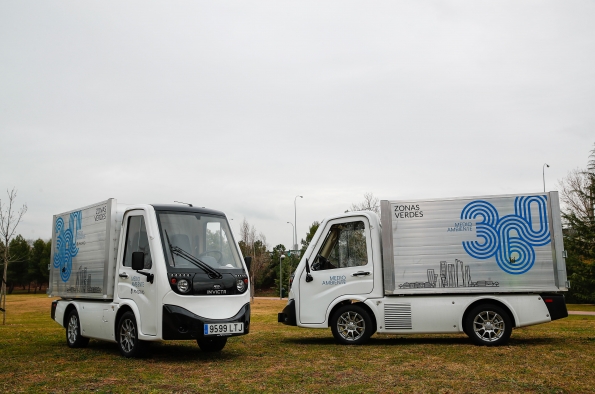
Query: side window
{"x": 137, "y": 241}
{"x": 344, "y": 246}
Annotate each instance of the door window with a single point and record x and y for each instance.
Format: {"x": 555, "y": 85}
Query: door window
{"x": 137, "y": 241}
{"x": 344, "y": 246}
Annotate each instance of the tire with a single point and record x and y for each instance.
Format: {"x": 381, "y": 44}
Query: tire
{"x": 74, "y": 339}
{"x": 488, "y": 325}
{"x": 127, "y": 336}
{"x": 215, "y": 344}
{"x": 351, "y": 325}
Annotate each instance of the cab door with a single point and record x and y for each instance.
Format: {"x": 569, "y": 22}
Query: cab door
{"x": 131, "y": 284}
{"x": 340, "y": 265}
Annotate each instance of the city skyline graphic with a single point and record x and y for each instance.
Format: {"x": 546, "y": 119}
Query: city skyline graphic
{"x": 452, "y": 275}
{"x": 83, "y": 283}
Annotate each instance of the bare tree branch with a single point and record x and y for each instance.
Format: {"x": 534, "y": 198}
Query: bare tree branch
{"x": 370, "y": 203}
{"x": 9, "y": 221}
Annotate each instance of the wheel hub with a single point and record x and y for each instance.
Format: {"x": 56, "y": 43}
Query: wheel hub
{"x": 488, "y": 326}
{"x": 351, "y": 326}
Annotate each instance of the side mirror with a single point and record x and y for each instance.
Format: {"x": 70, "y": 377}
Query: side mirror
{"x": 248, "y": 261}
{"x": 308, "y": 275}
{"x": 138, "y": 261}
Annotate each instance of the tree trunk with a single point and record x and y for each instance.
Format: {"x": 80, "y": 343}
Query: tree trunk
{"x": 3, "y": 289}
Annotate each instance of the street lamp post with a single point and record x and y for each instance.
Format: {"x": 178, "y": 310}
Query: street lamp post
{"x": 281, "y": 276}
{"x": 295, "y": 221}
{"x": 543, "y": 174}
{"x": 292, "y": 233}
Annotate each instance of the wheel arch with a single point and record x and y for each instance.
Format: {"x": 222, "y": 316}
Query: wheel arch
{"x": 121, "y": 310}
{"x": 493, "y": 301}
{"x": 67, "y": 311}
{"x": 360, "y": 303}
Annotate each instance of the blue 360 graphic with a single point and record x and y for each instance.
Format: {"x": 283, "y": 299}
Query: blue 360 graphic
{"x": 511, "y": 238}
{"x": 66, "y": 247}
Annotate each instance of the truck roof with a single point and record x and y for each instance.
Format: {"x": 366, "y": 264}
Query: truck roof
{"x": 186, "y": 208}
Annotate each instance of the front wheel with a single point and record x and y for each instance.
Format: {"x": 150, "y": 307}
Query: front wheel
{"x": 488, "y": 325}
{"x": 129, "y": 344}
{"x": 74, "y": 338}
{"x": 212, "y": 344}
{"x": 351, "y": 325}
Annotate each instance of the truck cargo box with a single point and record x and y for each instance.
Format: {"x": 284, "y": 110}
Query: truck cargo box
{"x": 84, "y": 248}
{"x": 500, "y": 244}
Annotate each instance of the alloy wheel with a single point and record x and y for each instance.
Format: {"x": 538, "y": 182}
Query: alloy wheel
{"x": 488, "y": 326}
{"x": 351, "y": 326}
{"x": 127, "y": 335}
{"x": 73, "y": 327}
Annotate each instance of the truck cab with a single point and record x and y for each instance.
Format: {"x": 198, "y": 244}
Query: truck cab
{"x": 177, "y": 273}
{"x": 343, "y": 257}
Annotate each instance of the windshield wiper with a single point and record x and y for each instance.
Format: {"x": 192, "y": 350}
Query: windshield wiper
{"x": 211, "y": 272}
{"x": 170, "y": 248}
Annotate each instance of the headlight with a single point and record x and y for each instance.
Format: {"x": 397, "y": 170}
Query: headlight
{"x": 241, "y": 285}
{"x": 183, "y": 285}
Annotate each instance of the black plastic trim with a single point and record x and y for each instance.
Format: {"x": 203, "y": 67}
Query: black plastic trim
{"x": 53, "y": 310}
{"x": 180, "y": 323}
{"x": 186, "y": 208}
{"x": 556, "y": 305}
{"x": 287, "y": 317}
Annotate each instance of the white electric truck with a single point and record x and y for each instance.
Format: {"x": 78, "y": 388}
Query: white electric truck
{"x": 478, "y": 265}
{"x": 133, "y": 274}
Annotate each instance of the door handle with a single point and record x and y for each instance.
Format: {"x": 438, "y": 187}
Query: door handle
{"x": 360, "y": 273}
{"x": 123, "y": 275}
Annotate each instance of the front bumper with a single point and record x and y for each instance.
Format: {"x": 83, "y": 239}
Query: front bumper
{"x": 180, "y": 323}
{"x": 288, "y": 315}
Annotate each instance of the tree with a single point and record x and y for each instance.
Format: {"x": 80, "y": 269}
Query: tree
{"x": 577, "y": 193}
{"x": 9, "y": 221}
{"x": 370, "y": 203}
{"x": 39, "y": 258}
{"x": 18, "y": 272}
{"x": 273, "y": 272}
{"x": 255, "y": 246}
{"x": 309, "y": 235}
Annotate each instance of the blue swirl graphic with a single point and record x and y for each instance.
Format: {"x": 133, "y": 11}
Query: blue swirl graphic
{"x": 66, "y": 247}
{"x": 512, "y": 238}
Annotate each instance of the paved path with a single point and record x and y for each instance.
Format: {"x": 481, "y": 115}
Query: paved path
{"x": 581, "y": 313}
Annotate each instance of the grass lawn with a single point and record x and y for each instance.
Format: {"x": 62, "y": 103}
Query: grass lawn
{"x": 558, "y": 357}
{"x": 581, "y": 307}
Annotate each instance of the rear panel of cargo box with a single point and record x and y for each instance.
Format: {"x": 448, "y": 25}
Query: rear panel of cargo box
{"x": 499, "y": 244}
{"x": 84, "y": 246}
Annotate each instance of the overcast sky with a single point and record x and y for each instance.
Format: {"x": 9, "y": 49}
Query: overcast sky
{"x": 241, "y": 106}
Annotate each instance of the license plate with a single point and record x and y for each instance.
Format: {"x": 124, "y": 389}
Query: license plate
{"x": 224, "y": 328}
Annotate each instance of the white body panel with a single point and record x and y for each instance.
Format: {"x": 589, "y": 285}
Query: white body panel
{"x": 329, "y": 280}
{"x": 444, "y": 314}
{"x": 438, "y": 309}
{"x": 134, "y": 291}
{"x": 213, "y": 307}
{"x": 136, "y": 287}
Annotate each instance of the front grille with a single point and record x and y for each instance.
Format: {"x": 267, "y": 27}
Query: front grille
{"x": 397, "y": 316}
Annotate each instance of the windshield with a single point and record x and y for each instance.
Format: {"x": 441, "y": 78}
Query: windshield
{"x": 201, "y": 237}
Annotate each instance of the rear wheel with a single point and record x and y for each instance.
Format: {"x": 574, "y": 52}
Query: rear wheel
{"x": 74, "y": 338}
{"x": 488, "y": 325}
{"x": 212, "y": 344}
{"x": 129, "y": 344}
{"x": 351, "y": 325}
